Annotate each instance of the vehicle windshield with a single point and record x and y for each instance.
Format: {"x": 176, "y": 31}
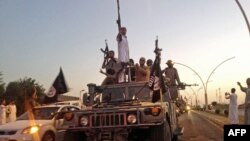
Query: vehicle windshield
{"x": 119, "y": 94}
{"x": 45, "y": 113}
{"x": 141, "y": 93}
{"x": 113, "y": 94}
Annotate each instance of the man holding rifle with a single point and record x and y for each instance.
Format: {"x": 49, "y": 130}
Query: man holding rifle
{"x": 172, "y": 79}
{"x": 123, "y": 48}
{"x": 123, "y": 51}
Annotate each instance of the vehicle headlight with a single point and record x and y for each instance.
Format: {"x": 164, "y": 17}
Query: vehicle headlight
{"x": 188, "y": 107}
{"x": 84, "y": 120}
{"x": 131, "y": 118}
{"x": 155, "y": 111}
{"x": 177, "y": 110}
{"x": 31, "y": 130}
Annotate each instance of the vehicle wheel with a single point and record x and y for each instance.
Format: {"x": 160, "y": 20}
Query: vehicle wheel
{"x": 175, "y": 138}
{"x": 160, "y": 132}
{"x": 48, "y": 136}
{"x": 74, "y": 136}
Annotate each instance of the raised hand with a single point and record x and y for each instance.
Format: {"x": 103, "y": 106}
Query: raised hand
{"x": 238, "y": 83}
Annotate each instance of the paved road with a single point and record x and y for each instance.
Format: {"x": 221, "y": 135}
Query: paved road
{"x": 198, "y": 128}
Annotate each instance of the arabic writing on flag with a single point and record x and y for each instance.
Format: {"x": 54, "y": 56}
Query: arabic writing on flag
{"x": 156, "y": 82}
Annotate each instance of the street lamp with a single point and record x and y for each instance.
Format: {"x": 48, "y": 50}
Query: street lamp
{"x": 244, "y": 15}
{"x": 189, "y": 98}
{"x": 211, "y": 75}
{"x": 196, "y": 94}
{"x": 198, "y": 90}
{"x": 205, "y": 84}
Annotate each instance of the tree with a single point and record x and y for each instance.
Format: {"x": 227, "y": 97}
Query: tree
{"x": 20, "y": 90}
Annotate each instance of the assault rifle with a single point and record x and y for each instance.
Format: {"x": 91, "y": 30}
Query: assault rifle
{"x": 106, "y": 50}
{"x": 182, "y": 86}
{"x": 157, "y": 50}
{"x": 118, "y": 21}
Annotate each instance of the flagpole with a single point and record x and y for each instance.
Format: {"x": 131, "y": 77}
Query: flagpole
{"x": 162, "y": 101}
{"x": 157, "y": 51}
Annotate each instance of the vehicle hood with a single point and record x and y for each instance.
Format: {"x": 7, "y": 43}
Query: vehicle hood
{"x": 124, "y": 105}
{"x": 21, "y": 124}
{"x": 151, "y": 104}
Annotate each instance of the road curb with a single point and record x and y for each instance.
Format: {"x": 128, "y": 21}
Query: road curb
{"x": 212, "y": 119}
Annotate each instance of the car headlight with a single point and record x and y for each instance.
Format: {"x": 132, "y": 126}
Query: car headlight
{"x": 84, "y": 120}
{"x": 177, "y": 110}
{"x": 154, "y": 111}
{"x": 188, "y": 107}
{"x": 31, "y": 130}
{"x": 131, "y": 118}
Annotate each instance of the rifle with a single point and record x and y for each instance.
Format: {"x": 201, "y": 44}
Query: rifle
{"x": 118, "y": 21}
{"x": 182, "y": 86}
{"x": 106, "y": 50}
{"x": 157, "y": 50}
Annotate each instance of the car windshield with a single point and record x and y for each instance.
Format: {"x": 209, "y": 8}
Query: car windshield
{"x": 44, "y": 113}
{"x": 119, "y": 94}
{"x": 113, "y": 94}
{"x": 140, "y": 93}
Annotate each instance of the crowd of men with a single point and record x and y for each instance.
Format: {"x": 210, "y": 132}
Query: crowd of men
{"x": 7, "y": 112}
{"x": 123, "y": 68}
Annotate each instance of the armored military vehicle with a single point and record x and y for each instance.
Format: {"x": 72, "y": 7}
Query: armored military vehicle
{"x": 122, "y": 112}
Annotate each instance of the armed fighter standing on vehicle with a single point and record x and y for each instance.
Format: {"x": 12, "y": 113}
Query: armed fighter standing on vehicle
{"x": 124, "y": 111}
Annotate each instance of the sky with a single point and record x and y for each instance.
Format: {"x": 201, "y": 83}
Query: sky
{"x": 38, "y": 37}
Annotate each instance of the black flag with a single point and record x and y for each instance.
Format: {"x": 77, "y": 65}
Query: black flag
{"x": 59, "y": 87}
{"x": 156, "y": 82}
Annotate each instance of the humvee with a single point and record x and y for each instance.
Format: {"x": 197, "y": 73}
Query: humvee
{"x": 122, "y": 112}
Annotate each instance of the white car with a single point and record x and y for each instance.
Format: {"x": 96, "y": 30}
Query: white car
{"x": 41, "y": 128}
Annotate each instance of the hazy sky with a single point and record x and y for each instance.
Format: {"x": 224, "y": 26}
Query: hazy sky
{"x": 38, "y": 37}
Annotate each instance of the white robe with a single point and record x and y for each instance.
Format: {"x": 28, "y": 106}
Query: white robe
{"x": 12, "y": 114}
{"x": 233, "y": 109}
{"x": 123, "y": 56}
{"x": 123, "y": 50}
{"x": 2, "y": 114}
{"x": 247, "y": 107}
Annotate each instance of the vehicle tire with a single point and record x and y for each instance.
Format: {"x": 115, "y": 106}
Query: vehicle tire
{"x": 74, "y": 136}
{"x": 161, "y": 132}
{"x": 175, "y": 138}
{"x": 48, "y": 136}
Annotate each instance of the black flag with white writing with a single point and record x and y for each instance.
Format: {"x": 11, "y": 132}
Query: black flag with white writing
{"x": 156, "y": 82}
{"x": 59, "y": 87}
